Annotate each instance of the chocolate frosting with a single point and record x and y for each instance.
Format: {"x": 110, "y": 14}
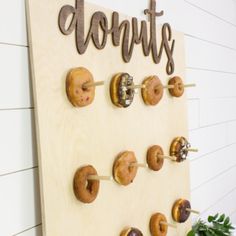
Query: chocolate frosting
{"x": 135, "y": 232}
{"x": 125, "y": 95}
{"x": 184, "y": 215}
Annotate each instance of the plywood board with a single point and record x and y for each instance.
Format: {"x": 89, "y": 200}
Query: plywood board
{"x": 69, "y": 137}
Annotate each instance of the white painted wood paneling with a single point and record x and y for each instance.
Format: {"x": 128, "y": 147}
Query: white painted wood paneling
{"x": 18, "y": 200}
{"x": 211, "y": 192}
{"x": 218, "y": 9}
{"x": 12, "y": 22}
{"x": 17, "y": 141}
{"x": 193, "y": 114}
{"x": 35, "y": 231}
{"x": 204, "y": 55}
{"x": 231, "y": 132}
{"x": 14, "y": 79}
{"x": 208, "y": 140}
{"x": 212, "y": 165}
{"x": 213, "y": 111}
{"x": 223, "y": 206}
{"x": 209, "y": 84}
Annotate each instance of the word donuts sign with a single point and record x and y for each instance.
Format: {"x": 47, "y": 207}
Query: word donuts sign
{"x": 125, "y": 34}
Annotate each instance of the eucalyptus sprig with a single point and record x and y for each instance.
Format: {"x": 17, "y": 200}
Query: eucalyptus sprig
{"x": 218, "y": 225}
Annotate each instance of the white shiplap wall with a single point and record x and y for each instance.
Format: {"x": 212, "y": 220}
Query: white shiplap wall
{"x": 210, "y": 35}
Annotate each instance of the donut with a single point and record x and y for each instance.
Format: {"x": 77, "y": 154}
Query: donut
{"x": 179, "y": 212}
{"x": 76, "y": 93}
{"x": 85, "y": 190}
{"x": 123, "y": 172}
{"x": 179, "y": 148}
{"x": 178, "y": 89}
{"x": 155, "y": 163}
{"x": 156, "y": 228}
{"x": 131, "y": 232}
{"x": 120, "y": 95}
{"x": 153, "y": 91}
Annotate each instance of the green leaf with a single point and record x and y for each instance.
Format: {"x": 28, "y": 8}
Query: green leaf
{"x": 216, "y": 216}
{"x": 221, "y": 219}
{"x": 226, "y": 221}
{"x": 211, "y": 218}
{"x": 191, "y": 233}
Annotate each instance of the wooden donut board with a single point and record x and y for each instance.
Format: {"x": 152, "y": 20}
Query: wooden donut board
{"x": 69, "y": 137}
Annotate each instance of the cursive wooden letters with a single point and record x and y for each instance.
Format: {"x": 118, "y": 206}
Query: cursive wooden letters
{"x": 100, "y": 29}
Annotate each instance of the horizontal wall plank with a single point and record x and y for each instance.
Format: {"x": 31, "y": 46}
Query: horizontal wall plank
{"x": 36, "y": 231}
{"x": 13, "y": 22}
{"x": 208, "y": 139}
{"x": 210, "y": 193}
{"x": 17, "y": 141}
{"x": 15, "y": 86}
{"x": 19, "y": 202}
{"x": 209, "y": 84}
{"x": 233, "y": 219}
{"x": 218, "y": 8}
{"x": 193, "y": 21}
{"x": 180, "y": 15}
{"x": 212, "y": 165}
{"x": 204, "y": 55}
{"x": 225, "y": 206}
{"x": 193, "y": 114}
{"x": 214, "y": 111}
{"x": 231, "y": 132}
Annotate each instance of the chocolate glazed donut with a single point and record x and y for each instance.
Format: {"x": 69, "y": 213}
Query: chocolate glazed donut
{"x": 179, "y": 212}
{"x": 179, "y": 148}
{"x": 122, "y": 96}
{"x": 85, "y": 190}
{"x": 131, "y": 232}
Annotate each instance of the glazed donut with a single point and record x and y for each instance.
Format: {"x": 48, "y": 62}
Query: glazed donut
{"x": 75, "y": 80}
{"x": 178, "y": 89}
{"x": 155, "y": 163}
{"x": 85, "y": 190}
{"x": 179, "y": 148}
{"x": 123, "y": 172}
{"x": 153, "y": 91}
{"x": 179, "y": 212}
{"x": 120, "y": 95}
{"x": 156, "y": 228}
{"x": 131, "y": 232}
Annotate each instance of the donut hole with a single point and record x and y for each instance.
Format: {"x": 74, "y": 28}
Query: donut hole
{"x": 162, "y": 228}
{"x": 89, "y": 185}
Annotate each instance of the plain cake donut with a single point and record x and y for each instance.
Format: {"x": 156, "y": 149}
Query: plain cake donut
{"x": 123, "y": 171}
{"x": 85, "y": 190}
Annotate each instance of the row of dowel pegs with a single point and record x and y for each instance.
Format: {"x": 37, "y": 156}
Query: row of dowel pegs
{"x": 158, "y": 224}
{"x": 80, "y": 88}
{"x": 87, "y": 181}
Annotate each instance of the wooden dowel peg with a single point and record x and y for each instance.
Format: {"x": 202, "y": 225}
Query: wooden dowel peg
{"x": 88, "y": 85}
{"x": 139, "y": 86}
{"x": 192, "y": 150}
{"x": 142, "y": 165}
{"x": 172, "y": 158}
{"x": 189, "y": 85}
{"x": 168, "y": 224}
{"x": 168, "y": 86}
{"x": 193, "y": 211}
{"x": 97, "y": 177}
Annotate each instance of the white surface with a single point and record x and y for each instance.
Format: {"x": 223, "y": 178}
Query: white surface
{"x": 212, "y": 114}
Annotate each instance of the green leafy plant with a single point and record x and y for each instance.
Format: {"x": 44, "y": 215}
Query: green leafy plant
{"x": 218, "y": 225}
